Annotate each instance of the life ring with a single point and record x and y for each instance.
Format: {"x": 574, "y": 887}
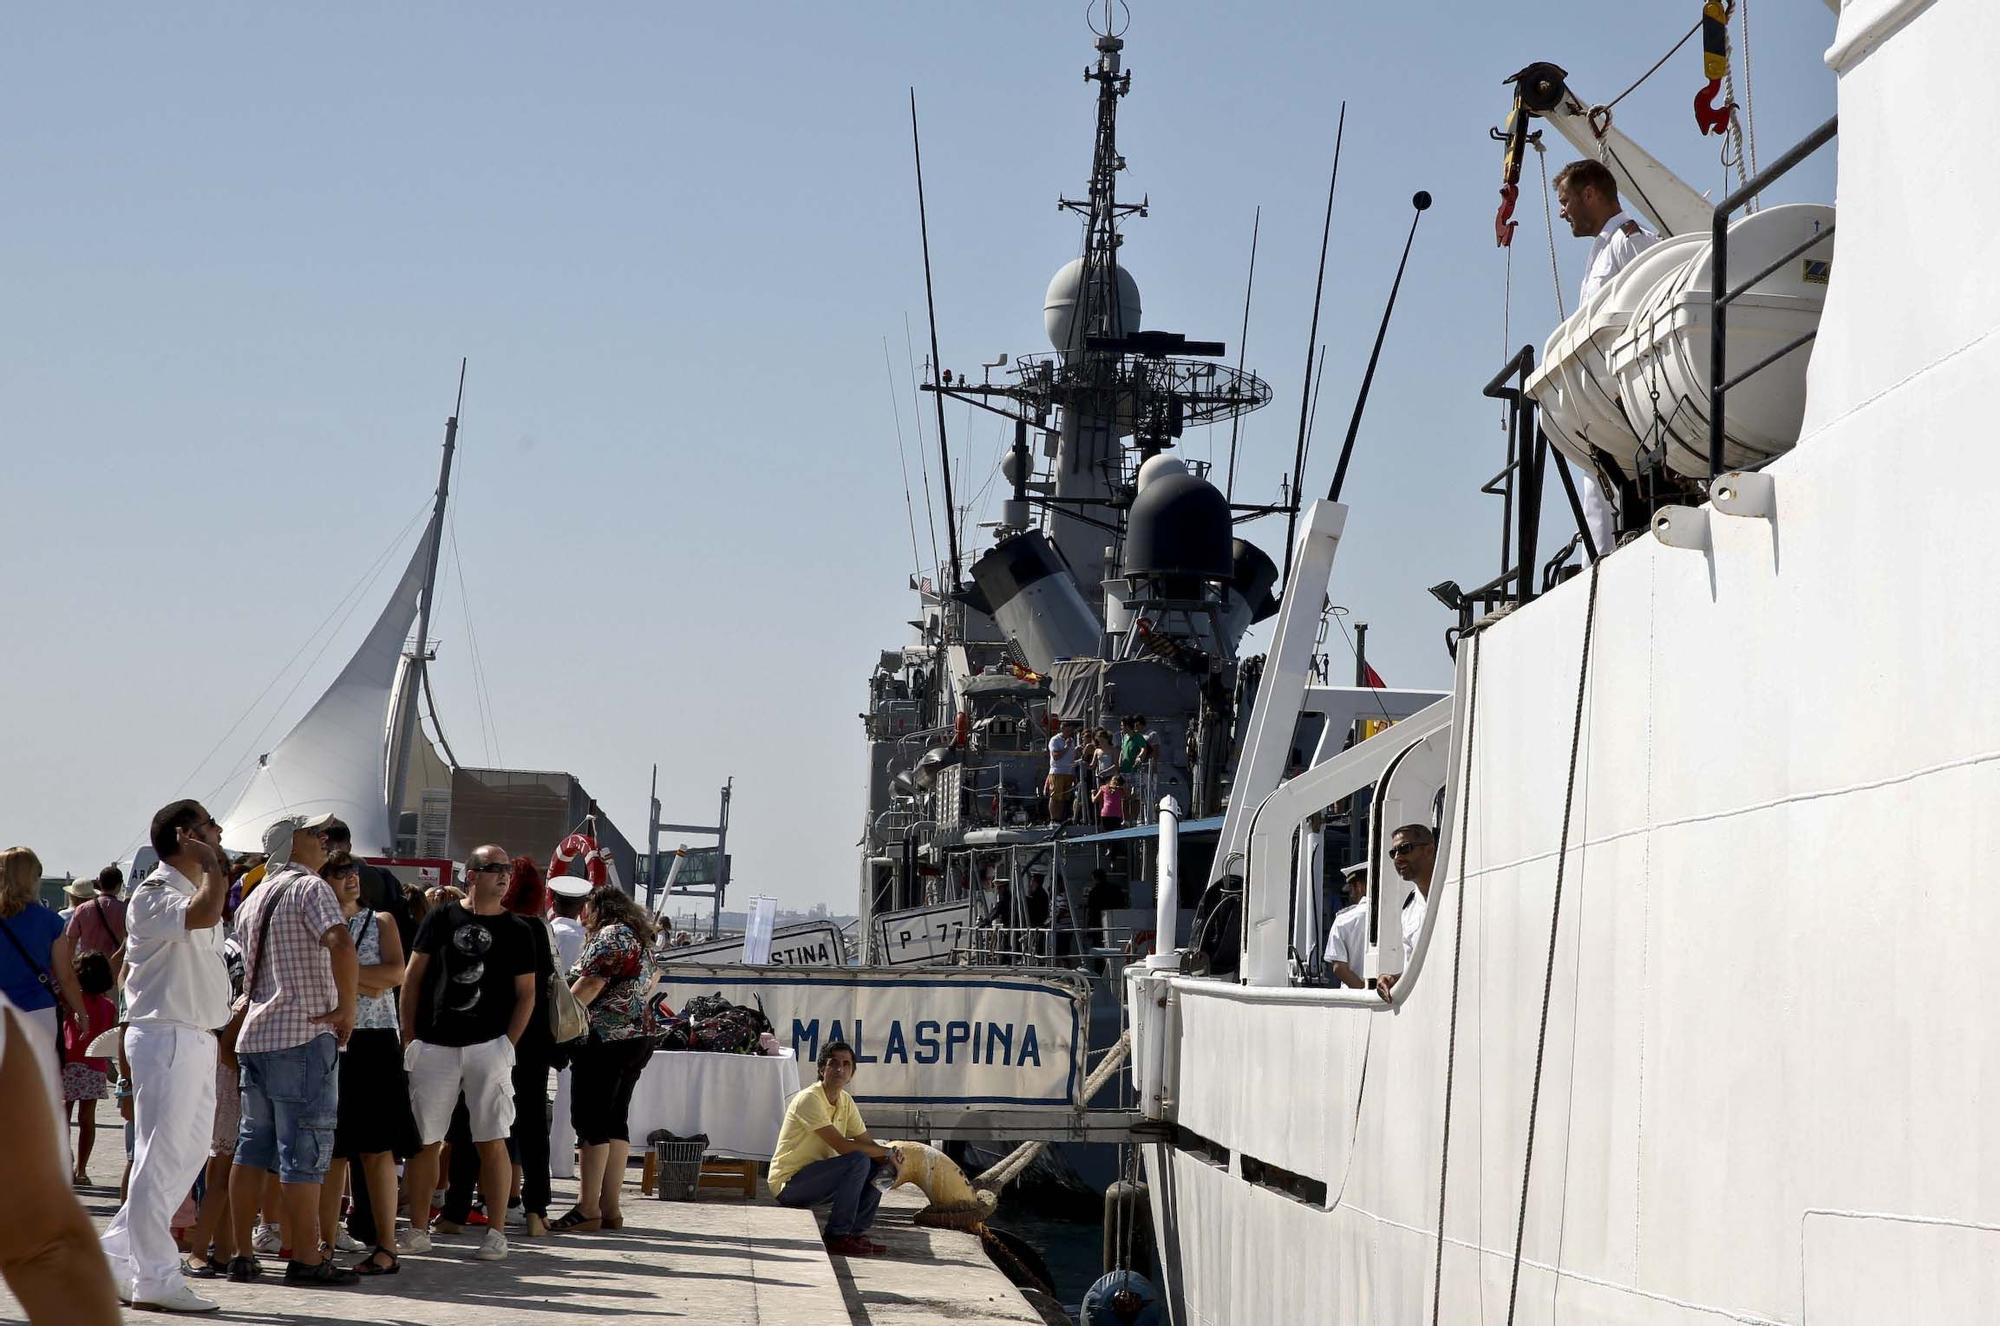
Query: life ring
{"x": 575, "y": 845}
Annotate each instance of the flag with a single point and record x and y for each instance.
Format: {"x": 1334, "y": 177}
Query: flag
{"x": 1372, "y": 679}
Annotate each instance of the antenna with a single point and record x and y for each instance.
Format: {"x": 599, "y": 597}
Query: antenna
{"x": 1312, "y": 340}
{"x": 1421, "y": 201}
{"x": 1242, "y": 349}
{"x": 937, "y": 371}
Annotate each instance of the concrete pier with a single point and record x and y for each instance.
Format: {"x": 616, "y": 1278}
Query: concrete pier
{"x": 719, "y": 1261}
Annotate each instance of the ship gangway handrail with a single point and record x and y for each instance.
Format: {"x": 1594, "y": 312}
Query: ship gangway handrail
{"x": 1725, "y": 294}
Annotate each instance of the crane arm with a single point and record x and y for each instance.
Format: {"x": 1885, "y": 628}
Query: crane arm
{"x": 1672, "y": 204}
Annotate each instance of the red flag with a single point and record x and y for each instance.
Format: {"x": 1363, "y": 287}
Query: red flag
{"x": 1371, "y": 678}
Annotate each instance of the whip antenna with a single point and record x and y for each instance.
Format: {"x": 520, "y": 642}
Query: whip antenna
{"x": 1420, "y": 202}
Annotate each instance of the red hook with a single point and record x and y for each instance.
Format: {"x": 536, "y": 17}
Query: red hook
{"x": 1503, "y": 223}
{"x": 1710, "y": 118}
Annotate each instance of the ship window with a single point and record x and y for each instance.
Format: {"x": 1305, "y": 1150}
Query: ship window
{"x": 1201, "y": 1147}
{"x": 1298, "y": 1187}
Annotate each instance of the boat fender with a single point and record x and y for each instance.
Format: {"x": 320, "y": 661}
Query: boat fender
{"x": 1123, "y": 1298}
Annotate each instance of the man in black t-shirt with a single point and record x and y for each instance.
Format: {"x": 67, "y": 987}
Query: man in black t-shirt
{"x": 468, "y": 994}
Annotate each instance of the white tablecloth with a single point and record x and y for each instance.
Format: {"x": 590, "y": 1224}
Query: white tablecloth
{"x": 737, "y": 1099}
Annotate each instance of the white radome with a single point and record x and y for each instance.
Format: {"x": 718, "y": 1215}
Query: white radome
{"x": 1059, "y": 306}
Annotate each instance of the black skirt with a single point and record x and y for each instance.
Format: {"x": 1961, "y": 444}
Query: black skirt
{"x": 375, "y": 1111}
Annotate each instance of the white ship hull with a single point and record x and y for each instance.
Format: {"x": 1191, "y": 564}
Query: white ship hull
{"x": 1771, "y": 1027}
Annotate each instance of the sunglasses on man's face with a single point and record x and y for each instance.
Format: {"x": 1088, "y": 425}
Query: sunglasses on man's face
{"x": 1403, "y": 849}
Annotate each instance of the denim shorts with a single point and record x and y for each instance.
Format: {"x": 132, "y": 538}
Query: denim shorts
{"x": 291, "y": 1101}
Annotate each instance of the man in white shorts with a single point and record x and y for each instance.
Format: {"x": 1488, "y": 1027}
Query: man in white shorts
{"x": 467, "y": 998}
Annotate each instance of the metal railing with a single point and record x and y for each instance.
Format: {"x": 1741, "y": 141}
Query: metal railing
{"x": 1718, "y": 281}
{"x": 1519, "y": 485}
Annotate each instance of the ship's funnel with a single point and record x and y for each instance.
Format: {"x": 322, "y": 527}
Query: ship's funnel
{"x": 1034, "y": 598}
{"x": 1247, "y": 598}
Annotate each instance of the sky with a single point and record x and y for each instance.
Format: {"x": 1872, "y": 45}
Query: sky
{"x": 247, "y": 246}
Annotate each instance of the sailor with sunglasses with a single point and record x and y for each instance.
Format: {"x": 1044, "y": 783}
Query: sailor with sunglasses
{"x": 1413, "y": 851}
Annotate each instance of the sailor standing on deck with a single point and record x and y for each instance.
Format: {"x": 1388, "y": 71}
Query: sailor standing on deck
{"x": 1588, "y": 195}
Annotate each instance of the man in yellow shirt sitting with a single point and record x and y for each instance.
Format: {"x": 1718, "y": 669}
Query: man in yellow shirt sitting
{"x": 825, "y": 1155}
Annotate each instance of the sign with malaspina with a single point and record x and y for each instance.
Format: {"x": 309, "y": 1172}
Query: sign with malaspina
{"x": 924, "y": 935}
{"x": 815, "y": 944}
{"x": 943, "y": 1037}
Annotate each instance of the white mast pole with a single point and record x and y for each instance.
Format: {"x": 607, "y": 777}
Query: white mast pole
{"x": 399, "y": 767}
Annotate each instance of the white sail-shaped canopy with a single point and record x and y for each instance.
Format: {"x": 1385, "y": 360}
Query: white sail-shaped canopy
{"x": 336, "y": 758}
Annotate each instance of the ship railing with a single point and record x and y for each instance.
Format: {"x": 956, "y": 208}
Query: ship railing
{"x": 1519, "y": 484}
{"x": 891, "y": 826}
{"x": 1719, "y": 383}
{"x": 1060, "y": 945}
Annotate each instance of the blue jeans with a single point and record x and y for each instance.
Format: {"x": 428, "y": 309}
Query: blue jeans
{"x": 847, "y": 1182}
{"x": 291, "y": 1101}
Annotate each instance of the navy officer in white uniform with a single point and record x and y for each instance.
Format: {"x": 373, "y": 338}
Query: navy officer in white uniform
{"x": 1588, "y": 196}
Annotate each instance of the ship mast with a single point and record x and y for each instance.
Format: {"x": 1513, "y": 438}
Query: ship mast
{"x": 417, "y": 662}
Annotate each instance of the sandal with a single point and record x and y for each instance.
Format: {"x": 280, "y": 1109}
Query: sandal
{"x": 206, "y": 1267}
{"x": 369, "y": 1266}
{"x": 614, "y": 1221}
{"x": 576, "y": 1220}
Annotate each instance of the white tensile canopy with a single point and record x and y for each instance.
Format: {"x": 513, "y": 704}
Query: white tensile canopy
{"x": 336, "y": 758}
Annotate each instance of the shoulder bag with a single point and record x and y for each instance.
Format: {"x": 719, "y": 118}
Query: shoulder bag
{"x": 567, "y": 1020}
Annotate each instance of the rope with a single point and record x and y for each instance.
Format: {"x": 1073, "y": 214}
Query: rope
{"x": 1650, "y": 72}
{"x": 1009, "y": 1168}
{"x": 1549, "y": 224}
{"x": 1555, "y": 925}
{"x": 1457, "y": 958}
{"x": 1749, "y": 92}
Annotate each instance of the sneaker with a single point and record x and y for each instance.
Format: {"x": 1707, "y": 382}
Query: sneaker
{"x": 516, "y": 1217}
{"x": 346, "y": 1242}
{"x": 267, "y": 1239}
{"x": 319, "y": 1275}
{"x": 179, "y": 1298}
{"x": 477, "y": 1219}
{"x": 493, "y": 1248}
{"x": 244, "y": 1269}
{"x": 414, "y": 1240}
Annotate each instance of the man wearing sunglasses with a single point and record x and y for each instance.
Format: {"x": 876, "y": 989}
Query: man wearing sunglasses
{"x": 1413, "y": 851}
{"x": 467, "y": 996}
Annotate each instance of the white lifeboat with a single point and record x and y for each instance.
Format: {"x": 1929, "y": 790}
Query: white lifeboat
{"x": 1629, "y": 369}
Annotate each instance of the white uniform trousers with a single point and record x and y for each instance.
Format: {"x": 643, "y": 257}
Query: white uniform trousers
{"x": 173, "y": 1114}
{"x": 562, "y": 1134}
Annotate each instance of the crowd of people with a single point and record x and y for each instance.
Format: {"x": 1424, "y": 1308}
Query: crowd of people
{"x": 1095, "y": 778}
{"x": 286, "y": 1029}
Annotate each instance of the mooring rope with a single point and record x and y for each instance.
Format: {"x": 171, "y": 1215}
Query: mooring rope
{"x": 1009, "y": 1167}
{"x": 1555, "y": 925}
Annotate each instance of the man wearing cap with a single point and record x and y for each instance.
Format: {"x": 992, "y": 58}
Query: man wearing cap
{"x": 567, "y": 922}
{"x": 299, "y": 973}
{"x": 176, "y": 996}
{"x": 1347, "y": 941}
{"x": 98, "y": 923}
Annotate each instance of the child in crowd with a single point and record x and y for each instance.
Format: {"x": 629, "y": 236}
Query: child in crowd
{"x": 85, "y": 1080}
{"x": 1111, "y": 803}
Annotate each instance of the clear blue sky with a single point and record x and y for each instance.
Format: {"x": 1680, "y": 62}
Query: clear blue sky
{"x": 247, "y": 245}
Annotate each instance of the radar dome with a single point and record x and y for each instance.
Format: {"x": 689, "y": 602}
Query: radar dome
{"x": 1179, "y": 527}
{"x": 1065, "y": 291}
{"x": 1159, "y": 467}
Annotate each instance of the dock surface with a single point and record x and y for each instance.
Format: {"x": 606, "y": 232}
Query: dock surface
{"x": 719, "y": 1261}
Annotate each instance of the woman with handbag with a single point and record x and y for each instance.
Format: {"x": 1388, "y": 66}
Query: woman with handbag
{"x": 38, "y": 967}
{"x": 527, "y": 897}
{"x": 374, "y": 1128}
{"x": 610, "y": 981}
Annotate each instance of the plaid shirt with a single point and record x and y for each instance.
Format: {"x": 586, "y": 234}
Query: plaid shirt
{"x": 292, "y": 981}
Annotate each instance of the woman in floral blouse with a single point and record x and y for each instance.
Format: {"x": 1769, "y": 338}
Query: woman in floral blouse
{"x": 610, "y": 980}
